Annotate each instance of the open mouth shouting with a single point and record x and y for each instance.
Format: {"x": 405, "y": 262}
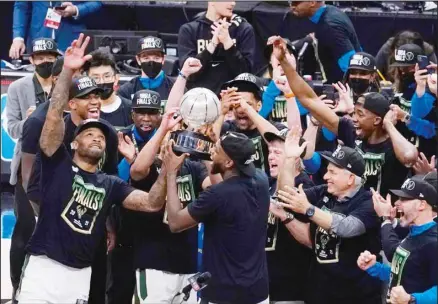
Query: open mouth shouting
{"x": 94, "y": 113}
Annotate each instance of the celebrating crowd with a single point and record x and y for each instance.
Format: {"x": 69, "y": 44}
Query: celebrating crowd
{"x": 315, "y": 192}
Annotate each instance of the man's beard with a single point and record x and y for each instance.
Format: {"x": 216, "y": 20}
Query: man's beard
{"x": 216, "y": 169}
{"x": 92, "y": 157}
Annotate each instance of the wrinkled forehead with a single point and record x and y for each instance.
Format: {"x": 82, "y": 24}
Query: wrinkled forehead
{"x": 91, "y": 130}
{"x": 276, "y": 145}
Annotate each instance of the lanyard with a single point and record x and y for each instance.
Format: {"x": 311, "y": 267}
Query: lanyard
{"x": 134, "y": 141}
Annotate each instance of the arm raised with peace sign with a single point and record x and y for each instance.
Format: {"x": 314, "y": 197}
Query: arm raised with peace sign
{"x": 52, "y": 135}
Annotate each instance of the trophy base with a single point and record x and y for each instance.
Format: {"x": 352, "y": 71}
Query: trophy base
{"x": 195, "y": 144}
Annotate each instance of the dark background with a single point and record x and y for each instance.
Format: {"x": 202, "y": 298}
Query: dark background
{"x": 373, "y": 27}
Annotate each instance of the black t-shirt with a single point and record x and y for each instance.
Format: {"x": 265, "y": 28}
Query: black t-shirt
{"x": 335, "y": 263}
{"x": 383, "y": 171}
{"x": 107, "y": 164}
{"x": 32, "y": 129}
{"x": 336, "y": 36}
{"x": 414, "y": 264}
{"x": 74, "y": 206}
{"x": 288, "y": 260}
{"x": 121, "y": 117}
{"x": 261, "y": 158}
{"x": 156, "y": 247}
{"x": 234, "y": 213}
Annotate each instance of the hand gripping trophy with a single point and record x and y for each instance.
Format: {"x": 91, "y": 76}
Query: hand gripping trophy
{"x": 199, "y": 109}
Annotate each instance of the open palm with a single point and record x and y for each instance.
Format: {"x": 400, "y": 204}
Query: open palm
{"x": 74, "y": 56}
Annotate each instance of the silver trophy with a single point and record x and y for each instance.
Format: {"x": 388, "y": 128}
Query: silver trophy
{"x": 199, "y": 109}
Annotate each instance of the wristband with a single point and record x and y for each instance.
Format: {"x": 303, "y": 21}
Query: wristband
{"x": 182, "y": 75}
{"x": 133, "y": 160}
{"x": 289, "y": 95}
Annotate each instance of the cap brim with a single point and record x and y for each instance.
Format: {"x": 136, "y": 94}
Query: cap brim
{"x": 151, "y": 50}
{"x": 401, "y": 193}
{"x": 399, "y": 64}
{"x": 147, "y": 107}
{"x": 361, "y": 68}
{"x": 269, "y": 136}
{"x": 242, "y": 84}
{"x": 57, "y": 52}
{"x": 248, "y": 170}
{"x": 93, "y": 124}
{"x": 89, "y": 91}
{"x": 333, "y": 161}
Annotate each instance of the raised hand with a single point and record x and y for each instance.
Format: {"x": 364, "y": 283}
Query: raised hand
{"x": 279, "y": 47}
{"x": 74, "y": 57}
{"x": 282, "y": 84}
{"x": 399, "y": 113}
{"x": 423, "y": 166}
{"x": 366, "y": 260}
{"x": 382, "y": 206}
{"x": 292, "y": 148}
{"x": 229, "y": 99}
{"x": 390, "y": 118}
{"x": 170, "y": 120}
{"x": 345, "y": 104}
{"x": 191, "y": 66}
{"x": 171, "y": 161}
{"x": 126, "y": 147}
{"x": 223, "y": 33}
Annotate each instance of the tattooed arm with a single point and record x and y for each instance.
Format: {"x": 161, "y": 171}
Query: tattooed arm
{"x": 148, "y": 202}
{"x": 52, "y": 134}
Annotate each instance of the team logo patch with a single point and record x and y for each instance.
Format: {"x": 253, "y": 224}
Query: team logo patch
{"x": 152, "y": 43}
{"x": 409, "y": 56}
{"x": 147, "y": 99}
{"x": 247, "y": 77}
{"x": 84, "y": 83}
{"x": 408, "y": 185}
{"x": 83, "y": 208}
{"x": 42, "y": 45}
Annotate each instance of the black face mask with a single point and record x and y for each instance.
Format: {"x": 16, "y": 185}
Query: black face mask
{"x": 108, "y": 89}
{"x": 359, "y": 85}
{"x": 406, "y": 80}
{"x": 151, "y": 68}
{"x": 44, "y": 69}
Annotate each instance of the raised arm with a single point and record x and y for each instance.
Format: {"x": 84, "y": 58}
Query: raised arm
{"x": 191, "y": 66}
{"x": 229, "y": 97}
{"x": 153, "y": 201}
{"x": 292, "y": 153}
{"x": 52, "y": 135}
{"x": 141, "y": 166}
{"x": 303, "y": 92}
{"x": 405, "y": 152}
{"x": 261, "y": 124}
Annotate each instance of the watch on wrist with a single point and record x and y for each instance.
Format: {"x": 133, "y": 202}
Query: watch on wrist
{"x": 310, "y": 211}
{"x": 413, "y": 300}
{"x": 289, "y": 218}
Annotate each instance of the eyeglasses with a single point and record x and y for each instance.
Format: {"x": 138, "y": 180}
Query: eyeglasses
{"x": 104, "y": 79}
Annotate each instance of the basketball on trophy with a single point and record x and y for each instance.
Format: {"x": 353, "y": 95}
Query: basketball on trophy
{"x": 199, "y": 109}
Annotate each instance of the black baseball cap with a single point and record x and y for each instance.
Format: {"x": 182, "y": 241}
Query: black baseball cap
{"x": 150, "y": 43}
{"x": 44, "y": 45}
{"x": 244, "y": 82}
{"x": 418, "y": 188}
{"x": 362, "y": 61}
{"x": 290, "y": 47}
{"x": 146, "y": 99}
{"x": 347, "y": 158}
{"x": 406, "y": 55}
{"x": 82, "y": 86}
{"x": 376, "y": 103}
{"x": 241, "y": 150}
{"x": 92, "y": 123}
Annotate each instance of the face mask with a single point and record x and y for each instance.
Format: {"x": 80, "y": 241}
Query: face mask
{"x": 359, "y": 85}
{"x": 406, "y": 80}
{"x": 108, "y": 89}
{"x": 44, "y": 69}
{"x": 151, "y": 68}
